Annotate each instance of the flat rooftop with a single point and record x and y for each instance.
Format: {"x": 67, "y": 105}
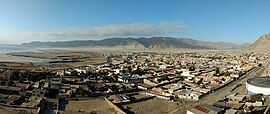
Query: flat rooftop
{"x": 259, "y": 81}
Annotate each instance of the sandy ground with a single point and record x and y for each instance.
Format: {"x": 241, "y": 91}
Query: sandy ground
{"x": 98, "y": 105}
{"x": 153, "y": 106}
{"x": 8, "y": 110}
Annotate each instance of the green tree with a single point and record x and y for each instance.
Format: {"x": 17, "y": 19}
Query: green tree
{"x": 227, "y": 73}
{"x": 74, "y": 73}
{"x": 3, "y": 82}
{"x": 10, "y": 83}
{"x": 217, "y": 71}
{"x": 164, "y": 78}
{"x": 80, "y": 91}
{"x": 256, "y": 97}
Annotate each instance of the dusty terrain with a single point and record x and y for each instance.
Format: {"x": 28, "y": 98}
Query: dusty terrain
{"x": 45, "y": 59}
{"x": 153, "y": 106}
{"x": 9, "y": 110}
{"x": 97, "y": 105}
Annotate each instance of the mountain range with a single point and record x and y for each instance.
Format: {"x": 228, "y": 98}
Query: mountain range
{"x": 148, "y": 43}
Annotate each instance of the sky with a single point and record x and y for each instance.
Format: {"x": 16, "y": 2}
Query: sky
{"x": 235, "y": 21}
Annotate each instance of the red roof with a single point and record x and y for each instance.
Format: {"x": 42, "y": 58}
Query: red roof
{"x": 202, "y": 109}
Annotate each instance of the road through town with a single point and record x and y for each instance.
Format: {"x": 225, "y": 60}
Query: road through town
{"x": 221, "y": 93}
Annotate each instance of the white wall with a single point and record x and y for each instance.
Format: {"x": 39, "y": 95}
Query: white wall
{"x": 257, "y": 89}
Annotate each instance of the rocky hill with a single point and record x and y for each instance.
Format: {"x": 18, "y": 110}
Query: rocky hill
{"x": 261, "y": 45}
{"x": 149, "y": 43}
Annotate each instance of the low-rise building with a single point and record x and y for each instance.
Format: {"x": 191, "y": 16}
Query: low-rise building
{"x": 205, "y": 109}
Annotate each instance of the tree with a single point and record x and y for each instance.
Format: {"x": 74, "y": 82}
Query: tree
{"x": 138, "y": 71}
{"x": 227, "y": 73}
{"x": 164, "y": 78}
{"x": 80, "y": 91}
{"x": 217, "y": 71}
{"x": 21, "y": 79}
{"x": 89, "y": 73}
{"x": 3, "y": 82}
{"x": 241, "y": 73}
{"x": 256, "y": 97}
{"x": 129, "y": 68}
{"x": 116, "y": 77}
{"x": 74, "y": 73}
{"x": 192, "y": 67}
{"x": 10, "y": 83}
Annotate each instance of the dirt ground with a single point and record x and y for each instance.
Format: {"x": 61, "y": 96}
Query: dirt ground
{"x": 9, "y": 110}
{"x": 97, "y": 105}
{"x": 23, "y": 60}
{"x": 153, "y": 106}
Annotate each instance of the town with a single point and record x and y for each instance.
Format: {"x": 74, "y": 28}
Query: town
{"x": 134, "y": 57}
{"x": 130, "y": 82}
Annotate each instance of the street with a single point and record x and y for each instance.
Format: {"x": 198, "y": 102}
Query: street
{"x": 221, "y": 93}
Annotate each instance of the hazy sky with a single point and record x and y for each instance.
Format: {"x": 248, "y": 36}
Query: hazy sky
{"x": 237, "y": 21}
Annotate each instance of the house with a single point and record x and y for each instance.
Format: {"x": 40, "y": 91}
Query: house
{"x": 6, "y": 75}
{"x": 157, "y": 91}
{"x": 3, "y": 97}
{"x": 236, "y": 98}
{"x": 35, "y": 102}
{"x": 149, "y": 82}
{"x": 238, "y": 106}
{"x": 119, "y": 98}
{"x": 231, "y": 111}
{"x": 174, "y": 88}
{"x": 36, "y": 85}
{"x": 38, "y": 92}
{"x": 24, "y": 86}
{"x": 131, "y": 79}
{"x": 187, "y": 74}
{"x": 84, "y": 87}
{"x": 223, "y": 105}
{"x": 54, "y": 85}
{"x": 65, "y": 93}
{"x": 46, "y": 85}
{"x": 14, "y": 100}
{"x": 80, "y": 70}
{"x": 205, "y": 109}
{"x": 188, "y": 94}
{"x": 256, "y": 103}
{"x": 10, "y": 90}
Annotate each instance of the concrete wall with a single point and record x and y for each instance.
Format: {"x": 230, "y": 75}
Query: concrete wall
{"x": 158, "y": 96}
{"x": 116, "y": 108}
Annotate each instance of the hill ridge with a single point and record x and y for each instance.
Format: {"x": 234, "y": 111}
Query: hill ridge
{"x": 262, "y": 44}
{"x": 150, "y": 43}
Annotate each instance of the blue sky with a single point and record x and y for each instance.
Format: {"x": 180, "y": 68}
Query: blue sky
{"x": 236, "y": 21}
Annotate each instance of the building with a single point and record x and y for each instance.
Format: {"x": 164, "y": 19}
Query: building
{"x": 38, "y": 92}
{"x": 10, "y": 90}
{"x": 131, "y": 79}
{"x": 258, "y": 85}
{"x": 205, "y": 109}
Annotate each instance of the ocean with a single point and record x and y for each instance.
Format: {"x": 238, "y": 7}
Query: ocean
{"x": 14, "y": 48}
{"x": 4, "y": 49}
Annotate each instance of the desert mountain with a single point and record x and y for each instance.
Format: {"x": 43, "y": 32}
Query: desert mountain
{"x": 261, "y": 45}
{"x": 149, "y": 43}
